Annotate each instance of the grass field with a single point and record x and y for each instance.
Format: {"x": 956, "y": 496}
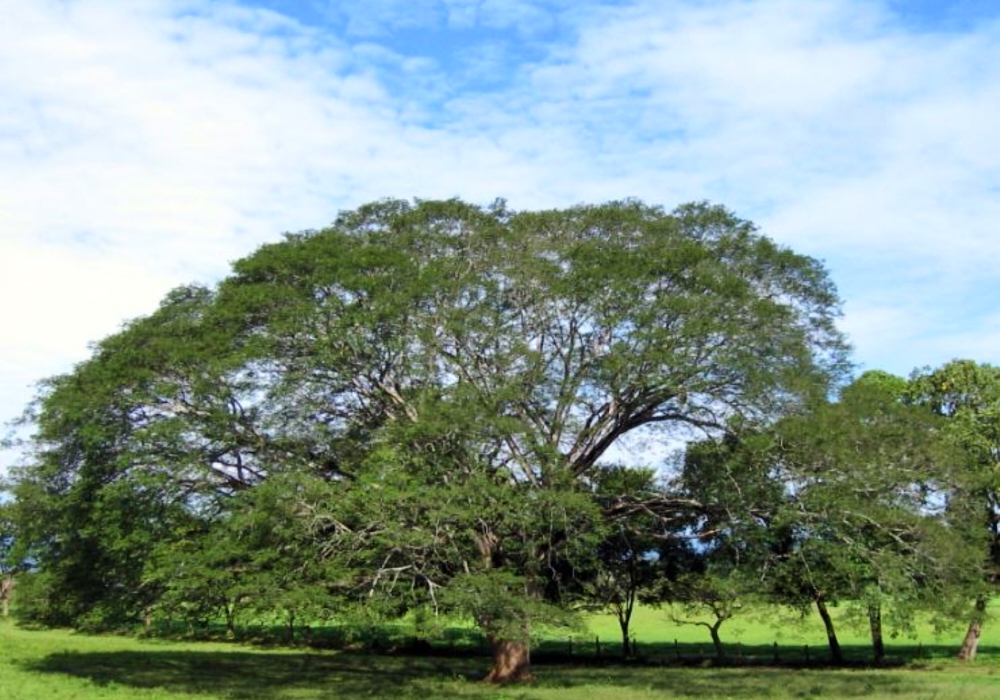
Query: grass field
{"x": 757, "y": 632}
{"x": 57, "y": 665}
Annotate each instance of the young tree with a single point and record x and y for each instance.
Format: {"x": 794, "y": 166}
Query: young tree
{"x": 628, "y": 566}
{"x": 739, "y": 528}
{"x": 840, "y": 502}
{"x": 867, "y": 478}
{"x": 967, "y": 394}
{"x": 718, "y": 595}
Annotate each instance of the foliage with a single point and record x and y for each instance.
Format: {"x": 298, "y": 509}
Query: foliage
{"x": 9, "y": 563}
{"x": 627, "y": 563}
{"x": 845, "y": 501}
{"x": 258, "y": 560}
{"x": 430, "y": 389}
{"x": 871, "y": 477}
{"x": 967, "y": 395}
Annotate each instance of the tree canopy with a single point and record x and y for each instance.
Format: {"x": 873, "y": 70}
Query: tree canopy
{"x": 434, "y": 388}
{"x": 967, "y": 394}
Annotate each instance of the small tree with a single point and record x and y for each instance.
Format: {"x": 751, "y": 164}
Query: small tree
{"x": 739, "y": 529}
{"x": 867, "y": 480}
{"x": 712, "y": 594}
{"x": 967, "y": 395}
{"x": 627, "y": 562}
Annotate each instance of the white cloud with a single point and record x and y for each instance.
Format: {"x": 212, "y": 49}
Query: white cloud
{"x": 55, "y": 301}
{"x": 145, "y": 144}
{"x": 844, "y": 135}
{"x": 147, "y": 148}
{"x": 900, "y": 338}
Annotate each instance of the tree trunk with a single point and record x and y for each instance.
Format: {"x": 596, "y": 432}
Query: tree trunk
{"x": 511, "y": 657}
{"x": 720, "y": 651}
{"x": 230, "y": 621}
{"x": 875, "y": 623}
{"x": 511, "y": 661}
{"x": 626, "y": 644}
{"x": 831, "y": 634}
{"x": 624, "y": 614}
{"x": 971, "y": 642}
{"x": 6, "y": 593}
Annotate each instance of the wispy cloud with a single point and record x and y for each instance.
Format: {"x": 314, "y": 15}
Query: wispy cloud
{"x": 147, "y": 144}
{"x": 844, "y": 133}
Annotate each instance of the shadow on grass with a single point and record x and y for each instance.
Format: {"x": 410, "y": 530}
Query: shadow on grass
{"x": 259, "y": 675}
{"x": 250, "y": 675}
{"x": 693, "y": 683}
{"x": 467, "y": 642}
{"x": 738, "y": 655}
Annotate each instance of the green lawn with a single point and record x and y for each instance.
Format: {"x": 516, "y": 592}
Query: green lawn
{"x": 757, "y": 632}
{"x": 57, "y": 665}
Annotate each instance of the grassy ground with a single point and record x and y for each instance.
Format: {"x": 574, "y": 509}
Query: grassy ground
{"x": 756, "y": 633}
{"x": 58, "y": 665}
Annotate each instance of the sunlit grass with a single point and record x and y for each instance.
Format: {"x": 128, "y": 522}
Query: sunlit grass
{"x": 761, "y": 628}
{"x": 57, "y": 664}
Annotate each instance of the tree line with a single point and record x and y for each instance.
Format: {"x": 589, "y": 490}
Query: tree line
{"x": 424, "y": 408}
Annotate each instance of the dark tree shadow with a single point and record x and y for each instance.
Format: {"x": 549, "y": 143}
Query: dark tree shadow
{"x": 258, "y": 676}
{"x": 267, "y": 675}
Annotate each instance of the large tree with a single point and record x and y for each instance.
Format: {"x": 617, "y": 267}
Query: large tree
{"x": 145, "y": 436}
{"x": 451, "y": 376}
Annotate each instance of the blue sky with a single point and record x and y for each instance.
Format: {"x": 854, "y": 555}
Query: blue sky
{"x": 146, "y": 144}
